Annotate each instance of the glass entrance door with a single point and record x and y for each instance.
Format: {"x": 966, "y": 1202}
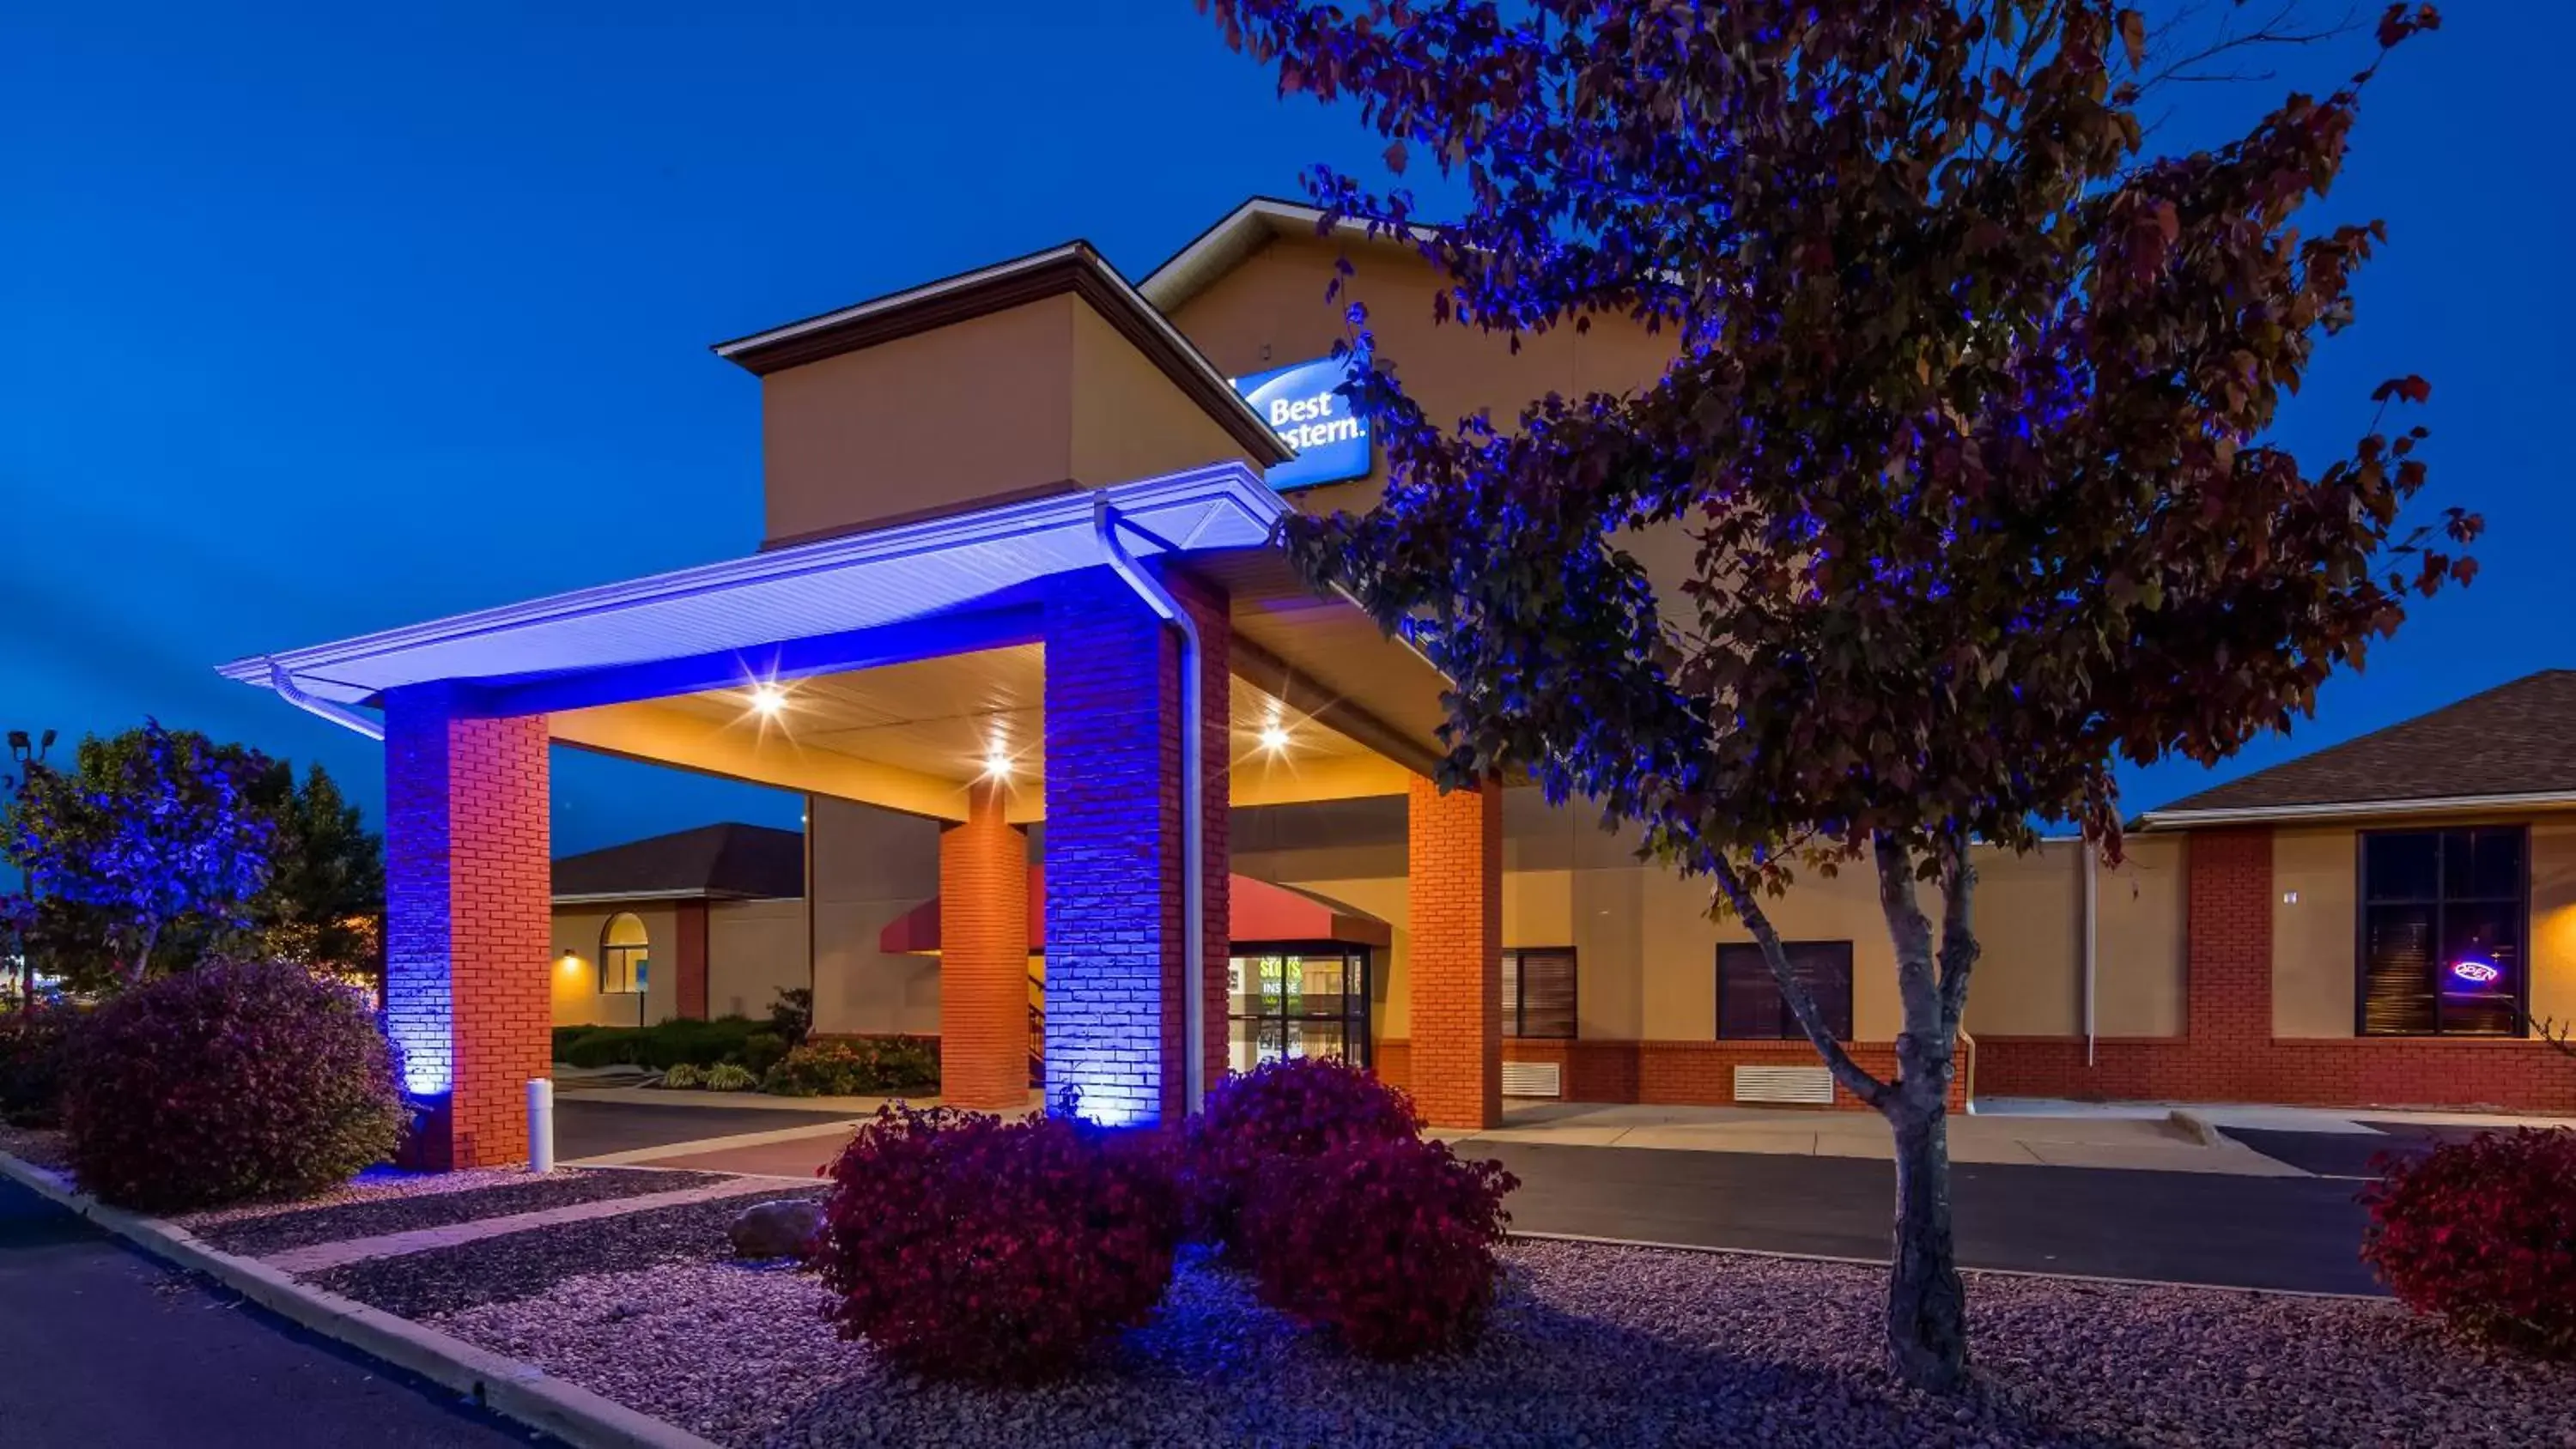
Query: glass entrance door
{"x": 1297, "y": 1001}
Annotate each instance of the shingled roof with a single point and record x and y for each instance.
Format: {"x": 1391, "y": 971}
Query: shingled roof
{"x": 2516, "y": 740}
{"x": 713, "y": 862}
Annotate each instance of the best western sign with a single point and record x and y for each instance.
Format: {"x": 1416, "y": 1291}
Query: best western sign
{"x": 1301, "y": 406}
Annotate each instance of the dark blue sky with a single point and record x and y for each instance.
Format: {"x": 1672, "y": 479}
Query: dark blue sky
{"x": 314, "y": 323}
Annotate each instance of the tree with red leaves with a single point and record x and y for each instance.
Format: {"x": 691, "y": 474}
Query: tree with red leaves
{"x": 1970, "y": 423}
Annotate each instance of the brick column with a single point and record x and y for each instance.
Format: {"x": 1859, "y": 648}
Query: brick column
{"x": 689, "y": 961}
{"x": 468, "y": 925}
{"x": 1454, "y": 862}
{"x": 2227, "y": 980}
{"x": 1115, "y": 995}
{"x": 984, "y": 957}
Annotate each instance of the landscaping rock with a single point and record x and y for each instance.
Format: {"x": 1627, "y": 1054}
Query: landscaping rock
{"x": 784, "y": 1228}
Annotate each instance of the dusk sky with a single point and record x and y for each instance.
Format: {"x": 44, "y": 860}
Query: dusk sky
{"x": 320, "y": 321}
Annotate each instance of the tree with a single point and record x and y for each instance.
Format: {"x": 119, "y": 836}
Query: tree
{"x": 150, "y": 826}
{"x": 324, "y": 903}
{"x": 1969, "y": 427}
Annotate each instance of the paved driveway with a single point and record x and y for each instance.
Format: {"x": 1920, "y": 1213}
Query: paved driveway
{"x": 591, "y": 1129}
{"x": 106, "y": 1349}
{"x": 2186, "y": 1227}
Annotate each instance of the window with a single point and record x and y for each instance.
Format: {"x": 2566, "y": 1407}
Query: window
{"x": 624, "y": 952}
{"x": 2444, "y": 914}
{"x": 1749, "y": 1005}
{"x": 1538, "y": 993}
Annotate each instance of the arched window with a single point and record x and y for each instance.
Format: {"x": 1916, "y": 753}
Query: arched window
{"x": 624, "y": 947}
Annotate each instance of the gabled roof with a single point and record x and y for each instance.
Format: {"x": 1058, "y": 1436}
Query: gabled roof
{"x": 1222, "y": 247}
{"x": 733, "y": 861}
{"x": 2513, "y": 745}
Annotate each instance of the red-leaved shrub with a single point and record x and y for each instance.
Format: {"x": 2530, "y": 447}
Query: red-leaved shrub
{"x": 1388, "y": 1245}
{"x": 35, "y": 1046}
{"x": 2483, "y": 1233}
{"x": 232, "y": 1081}
{"x": 1295, "y": 1108}
{"x": 963, "y": 1246}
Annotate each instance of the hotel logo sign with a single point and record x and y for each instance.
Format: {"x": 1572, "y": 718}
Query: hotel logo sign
{"x": 1301, "y": 405}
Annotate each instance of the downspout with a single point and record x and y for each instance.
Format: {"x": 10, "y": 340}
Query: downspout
{"x": 338, "y": 714}
{"x": 1104, "y": 522}
{"x": 2092, "y": 934}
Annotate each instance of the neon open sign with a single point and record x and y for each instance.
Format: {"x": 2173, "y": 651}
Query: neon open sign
{"x": 2475, "y": 971}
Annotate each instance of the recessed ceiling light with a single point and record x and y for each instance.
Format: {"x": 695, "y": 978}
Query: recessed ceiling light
{"x": 768, "y": 700}
{"x": 997, "y": 765}
{"x": 1274, "y": 738}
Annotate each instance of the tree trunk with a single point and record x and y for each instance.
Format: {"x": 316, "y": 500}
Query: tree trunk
{"x": 1927, "y": 1306}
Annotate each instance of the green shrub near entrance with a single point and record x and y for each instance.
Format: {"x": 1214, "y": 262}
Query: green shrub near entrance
{"x": 229, "y": 1082}
{"x": 730, "y": 1077}
{"x": 865, "y": 1066}
{"x": 659, "y": 1048}
{"x": 684, "y": 1077}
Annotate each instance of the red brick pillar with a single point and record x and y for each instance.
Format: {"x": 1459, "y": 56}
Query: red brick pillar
{"x": 1454, "y": 856}
{"x": 689, "y": 958}
{"x": 984, "y": 957}
{"x": 1116, "y": 989}
{"x": 468, "y": 924}
{"x": 2227, "y": 981}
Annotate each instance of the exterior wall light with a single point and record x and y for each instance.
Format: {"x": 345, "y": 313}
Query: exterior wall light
{"x": 571, "y": 961}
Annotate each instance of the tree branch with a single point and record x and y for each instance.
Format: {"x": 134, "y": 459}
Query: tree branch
{"x": 1959, "y": 949}
{"x": 1801, "y": 1002}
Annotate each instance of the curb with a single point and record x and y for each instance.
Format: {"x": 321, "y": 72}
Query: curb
{"x": 515, "y": 1390}
{"x": 2197, "y": 1127}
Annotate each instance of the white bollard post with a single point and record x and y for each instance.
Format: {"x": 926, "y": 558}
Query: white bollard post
{"x": 541, "y": 1125}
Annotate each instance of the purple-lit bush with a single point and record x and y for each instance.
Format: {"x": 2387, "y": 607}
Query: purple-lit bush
{"x": 1292, "y": 1109}
{"x": 963, "y": 1246}
{"x": 229, "y": 1082}
{"x": 2483, "y": 1233}
{"x": 34, "y": 1047}
{"x": 1388, "y": 1245}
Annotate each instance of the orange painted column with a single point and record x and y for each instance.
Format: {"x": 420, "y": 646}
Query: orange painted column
{"x": 1454, "y": 858}
{"x": 984, "y": 957}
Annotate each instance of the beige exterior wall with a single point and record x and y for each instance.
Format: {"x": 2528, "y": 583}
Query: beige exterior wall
{"x": 870, "y": 866}
{"x": 578, "y": 1000}
{"x": 2138, "y": 943}
{"x": 2315, "y": 945}
{"x": 1129, "y": 421}
{"x": 976, "y": 410}
{"x": 755, "y": 949}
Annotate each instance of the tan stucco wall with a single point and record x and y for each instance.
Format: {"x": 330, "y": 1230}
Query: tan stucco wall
{"x": 577, "y": 999}
{"x": 979, "y": 409}
{"x": 1271, "y": 311}
{"x": 754, "y": 950}
{"x": 1129, "y": 420}
{"x": 2315, "y": 939}
{"x": 2139, "y": 945}
{"x": 870, "y": 866}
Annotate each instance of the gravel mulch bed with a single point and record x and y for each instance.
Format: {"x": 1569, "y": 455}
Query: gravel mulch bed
{"x": 302, "y": 1225}
{"x": 42, "y": 1146}
{"x": 516, "y": 1266}
{"x": 1590, "y": 1345}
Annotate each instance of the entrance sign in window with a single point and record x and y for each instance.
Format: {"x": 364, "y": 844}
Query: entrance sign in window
{"x": 1300, "y": 404}
{"x": 2445, "y": 915}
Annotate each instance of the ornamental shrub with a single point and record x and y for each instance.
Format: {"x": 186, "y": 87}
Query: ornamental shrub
{"x": 1295, "y": 1108}
{"x": 662, "y": 1047}
{"x": 729, "y": 1077}
{"x": 762, "y": 1050}
{"x": 864, "y": 1066}
{"x": 685, "y": 1077}
{"x": 963, "y": 1246}
{"x": 232, "y": 1081}
{"x": 2483, "y": 1233}
{"x": 1387, "y": 1244}
{"x": 34, "y": 1048}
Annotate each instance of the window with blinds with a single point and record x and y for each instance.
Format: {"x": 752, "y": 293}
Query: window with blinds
{"x": 2444, "y": 918}
{"x": 1750, "y": 1006}
{"x": 1538, "y": 993}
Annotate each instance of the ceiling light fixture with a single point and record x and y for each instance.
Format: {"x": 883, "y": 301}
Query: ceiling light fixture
{"x": 1274, "y": 738}
{"x": 997, "y": 765}
{"x": 767, "y": 700}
